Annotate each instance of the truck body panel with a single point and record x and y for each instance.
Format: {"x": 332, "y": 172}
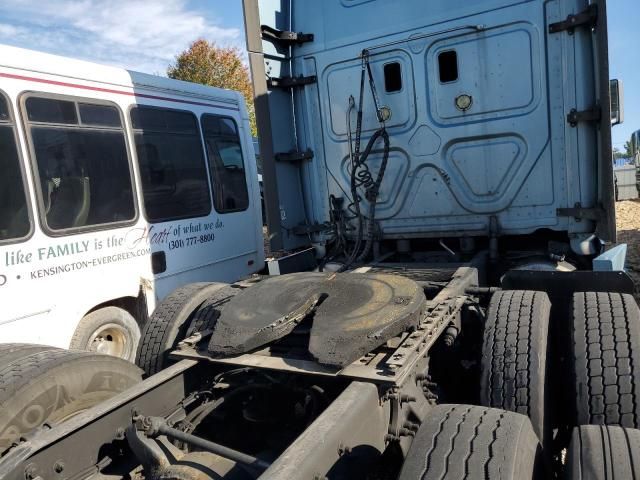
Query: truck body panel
{"x": 512, "y": 154}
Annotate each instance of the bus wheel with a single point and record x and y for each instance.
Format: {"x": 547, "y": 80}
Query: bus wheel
{"x": 110, "y": 330}
{"x": 187, "y": 310}
{"x": 464, "y": 441}
{"x": 514, "y": 355}
{"x": 605, "y": 348}
{"x": 599, "y": 452}
{"x": 54, "y": 385}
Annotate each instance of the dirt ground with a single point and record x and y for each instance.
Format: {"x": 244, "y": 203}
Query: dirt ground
{"x": 628, "y": 220}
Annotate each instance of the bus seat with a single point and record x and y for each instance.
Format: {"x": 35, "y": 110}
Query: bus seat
{"x": 19, "y": 221}
{"x": 48, "y": 186}
{"x": 70, "y": 204}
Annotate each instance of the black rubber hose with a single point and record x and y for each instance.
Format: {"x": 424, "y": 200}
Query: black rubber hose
{"x": 356, "y": 163}
{"x": 373, "y": 189}
{"x": 372, "y": 193}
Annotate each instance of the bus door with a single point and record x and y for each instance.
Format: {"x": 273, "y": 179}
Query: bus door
{"x": 190, "y": 239}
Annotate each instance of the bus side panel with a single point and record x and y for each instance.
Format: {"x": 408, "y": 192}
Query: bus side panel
{"x": 49, "y": 283}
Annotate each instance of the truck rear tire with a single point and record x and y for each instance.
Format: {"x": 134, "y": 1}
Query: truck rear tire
{"x": 606, "y": 359}
{"x": 514, "y": 353}
{"x": 52, "y": 386}
{"x": 109, "y": 330}
{"x": 599, "y": 452}
{"x": 10, "y": 352}
{"x": 463, "y": 441}
{"x": 185, "y": 311}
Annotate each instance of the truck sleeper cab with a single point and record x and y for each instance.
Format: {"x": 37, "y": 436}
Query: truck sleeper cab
{"x": 117, "y": 188}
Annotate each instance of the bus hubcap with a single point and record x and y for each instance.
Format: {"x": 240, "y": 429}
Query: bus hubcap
{"x": 110, "y": 340}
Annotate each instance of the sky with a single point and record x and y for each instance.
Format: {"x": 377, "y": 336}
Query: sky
{"x": 142, "y": 35}
{"x": 146, "y": 35}
{"x": 624, "y": 63}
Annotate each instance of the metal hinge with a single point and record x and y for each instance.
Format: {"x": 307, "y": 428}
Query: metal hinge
{"x": 293, "y": 157}
{"x": 587, "y": 18}
{"x": 283, "y": 37}
{"x": 574, "y": 116}
{"x": 580, "y": 213}
{"x": 290, "y": 82}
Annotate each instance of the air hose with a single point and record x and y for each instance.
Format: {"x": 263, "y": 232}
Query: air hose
{"x": 360, "y": 174}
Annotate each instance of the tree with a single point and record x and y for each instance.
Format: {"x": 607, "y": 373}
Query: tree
{"x": 628, "y": 149}
{"x": 204, "y": 62}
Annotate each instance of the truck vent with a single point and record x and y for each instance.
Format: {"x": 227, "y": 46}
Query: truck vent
{"x": 392, "y": 77}
{"x": 448, "y": 65}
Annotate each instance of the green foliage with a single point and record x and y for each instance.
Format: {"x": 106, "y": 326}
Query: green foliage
{"x": 628, "y": 149}
{"x": 204, "y": 62}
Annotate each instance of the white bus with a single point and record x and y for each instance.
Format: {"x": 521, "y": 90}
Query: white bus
{"x": 116, "y": 187}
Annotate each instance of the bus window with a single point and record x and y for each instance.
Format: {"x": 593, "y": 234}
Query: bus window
{"x": 226, "y": 163}
{"x": 172, "y": 167}
{"x": 14, "y": 214}
{"x": 83, "y": 167}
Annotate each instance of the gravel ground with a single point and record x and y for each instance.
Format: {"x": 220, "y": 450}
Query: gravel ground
{"x": 628, "y": 220}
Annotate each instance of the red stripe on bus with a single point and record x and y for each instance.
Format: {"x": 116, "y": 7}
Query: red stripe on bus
{"x": 109, "y": 90}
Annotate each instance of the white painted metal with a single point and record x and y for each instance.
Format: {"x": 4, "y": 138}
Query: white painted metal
{"x": 47, "y": 284}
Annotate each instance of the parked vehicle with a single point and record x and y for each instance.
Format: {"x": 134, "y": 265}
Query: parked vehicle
{"x": 450, "y": 165}
{"x": 635, "y": 152}
{"x": 117, "y": 188}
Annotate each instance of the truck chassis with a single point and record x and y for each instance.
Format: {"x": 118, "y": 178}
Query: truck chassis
{"x": 269, "y": 414}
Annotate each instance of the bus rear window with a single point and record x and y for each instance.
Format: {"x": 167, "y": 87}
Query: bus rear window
{"x": 226, "y": 163}
{"x": 14, "y": 214}
{"x": 172, "y": 166}
{"x": 84, "y": 172}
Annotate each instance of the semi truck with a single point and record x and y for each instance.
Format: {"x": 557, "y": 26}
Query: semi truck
{"x": 635, "y": 155}
{"x": 447, "y": 168}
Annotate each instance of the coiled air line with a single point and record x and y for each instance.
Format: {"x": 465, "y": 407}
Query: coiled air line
{"x": 361, "y": 175}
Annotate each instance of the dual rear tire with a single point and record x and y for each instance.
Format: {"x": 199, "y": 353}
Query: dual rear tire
{"x": 514, "y": 356}
{"x": 40, "y": 384}
{"x": 605, "y": 354}
{"x": 503, "y": 438}
{"x": 459, "y": 441}
{"x": 602, "y": 452}
{"x": 604, "y": 348}
{"x": 189, "y": 309}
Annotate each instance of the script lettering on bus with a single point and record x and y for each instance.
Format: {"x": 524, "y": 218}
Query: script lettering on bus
{"x": 17, "y": 257}
{"x": 147, "y": 234}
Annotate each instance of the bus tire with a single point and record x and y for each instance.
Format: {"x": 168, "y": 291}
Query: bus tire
{"x": 599, "y": 452}
{"x": 178, "y": 316}
{"x": 456, "y": 442}
{"x": 109, "y": 330}
{"x": 54, "y": 385}
{"x": 605, "y": 360}
{"x": 10, "y": 352}
{"x": 514, "y": 355}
